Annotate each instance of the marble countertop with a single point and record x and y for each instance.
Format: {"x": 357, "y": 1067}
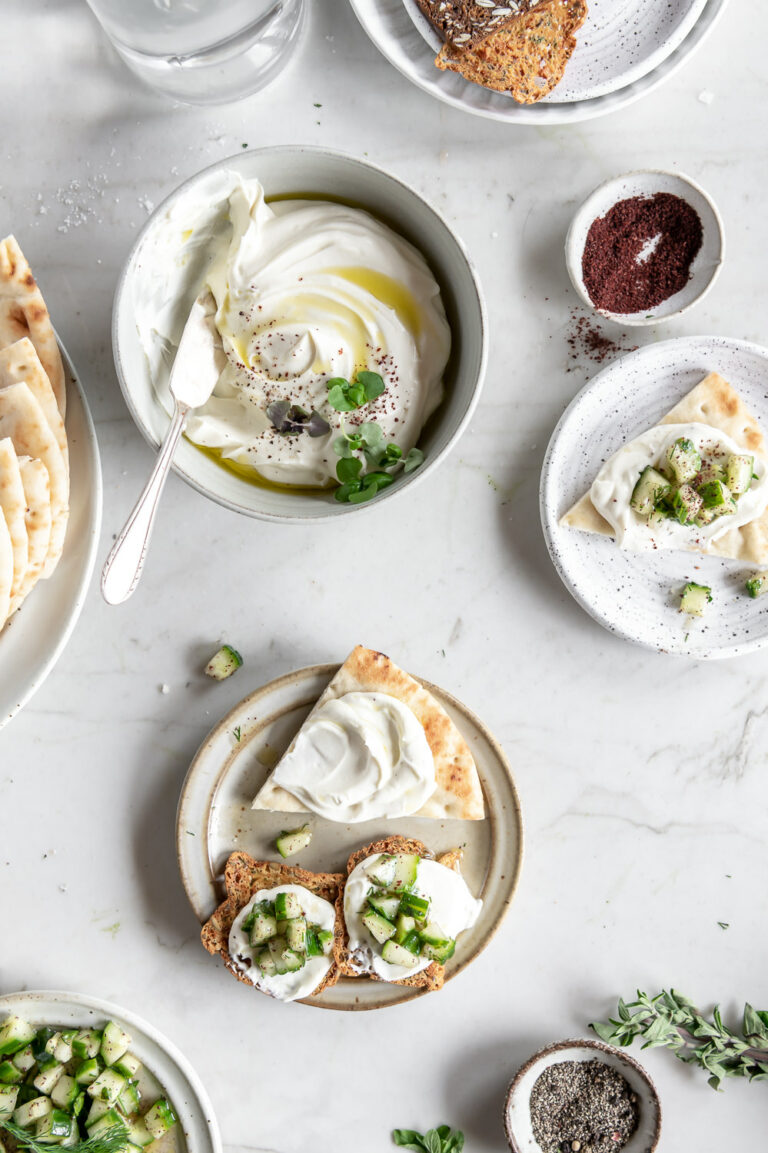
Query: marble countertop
{"x": 641, "y": 776}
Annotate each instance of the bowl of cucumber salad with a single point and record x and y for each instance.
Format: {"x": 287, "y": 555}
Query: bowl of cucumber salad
{"x": 83, "y": 1074}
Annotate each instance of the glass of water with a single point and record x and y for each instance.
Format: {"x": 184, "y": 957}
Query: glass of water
{"x": 203, "y": 51}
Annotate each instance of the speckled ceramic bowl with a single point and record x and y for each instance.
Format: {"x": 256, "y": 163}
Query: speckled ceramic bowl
{"x": 705, "y": 268}
{"x": 322, "y": 173}
{"x": 517, "y": 1107}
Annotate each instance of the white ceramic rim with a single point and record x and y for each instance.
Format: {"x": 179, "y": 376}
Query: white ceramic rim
{"x": 573, "y": 257}
{"x": 72, "y": 614}
{"x": 430, "y": 463}
{"x": 576, "y": 111}
{"x": 724, "y": 652}
{"x": 19, "y": 1003}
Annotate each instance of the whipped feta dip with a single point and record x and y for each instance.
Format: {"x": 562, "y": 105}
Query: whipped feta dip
{"x": 612, "y": 489}
{"x": 452, "y": 907}
{"x": 359, "y": 757}
{"x": 284, "y": 986}
{"x": 305, "y": 291}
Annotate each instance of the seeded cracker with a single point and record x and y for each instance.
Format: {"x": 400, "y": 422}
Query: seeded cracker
{"x": 465, "y": 23}
{"x": 527, "y": 59}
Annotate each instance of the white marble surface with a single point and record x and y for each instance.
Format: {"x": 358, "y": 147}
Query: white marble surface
{"x": 642, "y": 778}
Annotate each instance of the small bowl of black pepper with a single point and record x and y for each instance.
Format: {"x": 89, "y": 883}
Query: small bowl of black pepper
{"x": 645, "y": 247}
{"x": 582, "y": 1096}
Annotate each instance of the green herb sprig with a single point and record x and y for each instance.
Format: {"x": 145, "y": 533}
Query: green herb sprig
{"x": 110, "y": 1141}
{"x": 443, "y": 1139}
{"x": 671, "y": 1020}
{"x": 355, "y": 485}
{"x": 347, "y": 397}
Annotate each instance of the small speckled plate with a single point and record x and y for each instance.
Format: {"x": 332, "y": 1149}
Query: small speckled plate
{"x": 215, "y": 818}
{"x": 166, "y": 1070}
{"x": 637, "y": 595}
{"x": 625, "y": 49}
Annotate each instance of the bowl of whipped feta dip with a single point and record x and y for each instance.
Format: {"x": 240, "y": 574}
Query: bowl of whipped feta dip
{"x": 349, "y": 332}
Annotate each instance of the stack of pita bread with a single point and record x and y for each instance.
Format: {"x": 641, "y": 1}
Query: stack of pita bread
{"x": 34, "y": 460}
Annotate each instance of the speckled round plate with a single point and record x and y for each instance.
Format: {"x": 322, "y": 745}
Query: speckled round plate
{"x": 215, "y": 818}
{"x": 637, "y": 595}
{"x": 625, "y": 49}
{"x": 166, "y": 1070}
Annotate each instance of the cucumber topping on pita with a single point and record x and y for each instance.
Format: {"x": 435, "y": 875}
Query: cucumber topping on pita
{"x": 376, "y": 745}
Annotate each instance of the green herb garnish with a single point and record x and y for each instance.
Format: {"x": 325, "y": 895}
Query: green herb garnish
{"x": 440, "y": 1140}
{"x": 357, "y": 486}
{"x": 237, "y": 733}
{"x": 291, "y": 419}
{"x": 670, "y": 1019}
{"x": 346, "y": 397}
{"x": 110, "y": 1141}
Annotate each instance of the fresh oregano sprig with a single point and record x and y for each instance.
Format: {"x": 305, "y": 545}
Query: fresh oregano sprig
{"x": 110, "y": 1141}
{"x": 443, "y": 1139}
{"x": 671, "y": 1020}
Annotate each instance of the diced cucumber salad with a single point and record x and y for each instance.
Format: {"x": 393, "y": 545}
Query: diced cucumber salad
{"x": 397, "y": 917}
{"x": 690, "y": 488}
{"x": 65, "y": 1085}
{"x": 282, "y": 938}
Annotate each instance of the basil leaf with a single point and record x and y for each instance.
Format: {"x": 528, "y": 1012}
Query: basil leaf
{"x": 407, "y": 1138}
{"x": 372, "y": 384}
{"x": 432, "y": 1142}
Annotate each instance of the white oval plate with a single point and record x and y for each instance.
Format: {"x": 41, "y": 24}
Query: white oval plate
{"x": 34, "y": 638}
{"x": 215, "y": 818}
{"x": 197, "y": 1131}
{"x": 637, "y": 595}
{"x": 625, "y": 49}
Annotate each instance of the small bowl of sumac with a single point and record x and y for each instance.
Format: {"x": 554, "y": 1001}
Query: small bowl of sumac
{"x": 582, "y": 1096}
{"x": 645, "y": 247}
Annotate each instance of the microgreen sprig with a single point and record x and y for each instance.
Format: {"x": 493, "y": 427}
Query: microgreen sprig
{"x": 346, "y": 397}
{"x": 291, "y": 419}
{"x": 357, "y": 486}
{"x": 443, "y": 1139}
{"x": 670, "y": 1019}
{"x": 110, "y": 1141}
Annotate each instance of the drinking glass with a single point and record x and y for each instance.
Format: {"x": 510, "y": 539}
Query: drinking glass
{"x": 203, "y": 51}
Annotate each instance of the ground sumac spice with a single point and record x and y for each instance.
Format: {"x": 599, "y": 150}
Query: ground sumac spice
{"x": 583, "y": 1107}
{"x": 640, "y": 253}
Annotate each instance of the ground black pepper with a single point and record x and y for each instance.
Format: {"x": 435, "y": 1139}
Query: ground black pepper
{"x": 583, "y": 1107}
{"x": 640, "y": 253}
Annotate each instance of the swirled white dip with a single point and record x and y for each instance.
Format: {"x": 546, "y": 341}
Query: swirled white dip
{"x": 305, "y": 291}
{"x": 452, "y": 907}
{"x": 612, "y": 489}
{"x": 359, "y": 757}
{"x": 283, "y": 986}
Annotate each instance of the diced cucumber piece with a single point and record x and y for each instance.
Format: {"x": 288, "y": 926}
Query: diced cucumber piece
{"x": 293, "y": 961}
{"x": 264, "y": 960}
{"x": 738, "y": 473}
{"x": 287, "y": 906}
{"x": 55, "y": 1127}
{"x": 86, "y": 1043}
{"x": 293, "y": 841}
{"x": 87, "y": 1072}
{"x": 79, "y": 1104}
{"x": 129, "y": 1100}
{"x": 296, "y": 934}
{"x": 40, "y": 1045}
{"x": 325, "y": 937}
{"x": 10, "y": 1074}
{"x": 286, "y": 960}
{"x": 31, "y": 1112}
{"x": 223, "y": 663}
{"x": 395, "y": 954}
{"x": 8, "y": 1097}
{"x": 108, "y": 1086}
{"x": 389, "y": 907}
{"x": 114, "y": 1042}
{"x": 404, "y": 925}
{"x": 412, "y": 942}
{"x": 432, "y": 934}
{"x": 15, "y": 1033}
{"x": 686, "y": 504}
{"x": 138, "y": 1133}
{"x": 415, "y": 906}
{"x": 695, "y": 599}
{"x": 45, "y": 1081}
{"x": 406, "y": 871}
{"x": 24, "y": 1059}
{"x": 105, "y": 1121}
{"x": 65, "y": 1092}
{"x": 757, "y": 584}
{"x": 651, "y": 488}
{"x": 127, "y": 1066}
{"x": 160, "y": 1118}
{"x": 439, "y": 953}
{"x": 97, "y": 1109}
{"x": 62, "y": 1050}
{"x": 382, "y": 871}
{"x": 379, "y": 927}
{"x": 717, "y": 495}
{"x": 683, "y": 459}
{"x": 264, "y": 926}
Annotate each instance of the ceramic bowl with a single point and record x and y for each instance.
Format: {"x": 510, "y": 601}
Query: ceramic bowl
{"x": 287, "y": 170}
{"x": 517, "y": 1110}
{"x": 705, "y": 268}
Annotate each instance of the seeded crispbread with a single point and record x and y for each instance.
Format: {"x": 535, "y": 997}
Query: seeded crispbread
{"x": 244, "y": 876}
{"x": 527, "y": 59}
{"x": 23, "y": 314}
{"x": 465, "y": 23}
{"x": 714, "y": 402}
{"x": 458, "y": 793}
{"x": 431, "y": 978}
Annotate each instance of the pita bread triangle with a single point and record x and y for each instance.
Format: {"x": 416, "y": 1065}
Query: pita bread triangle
{"x": 37, "y": 491}
{"x": 6, "y": 571}
{"x": 13, "y": 507}
{"x": 458, "y": 793}
{"x": 23, "y": 314}
{"x": 714, "y": 402}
